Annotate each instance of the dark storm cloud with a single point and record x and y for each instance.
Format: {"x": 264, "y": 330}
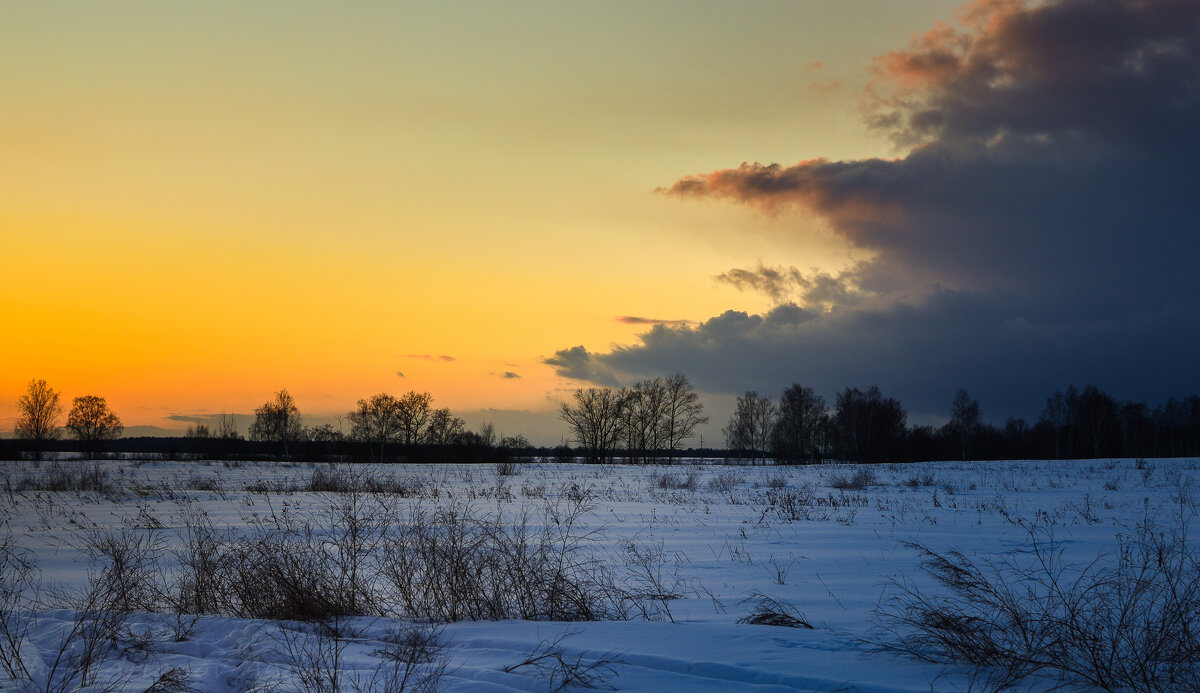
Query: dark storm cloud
{"x": 1041, "y": 230}
{"x": 577, "y": 363}
{"x": 919, "y": 351}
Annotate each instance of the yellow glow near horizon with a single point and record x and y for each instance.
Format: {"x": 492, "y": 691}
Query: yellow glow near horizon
{"x": 200, "y": 205}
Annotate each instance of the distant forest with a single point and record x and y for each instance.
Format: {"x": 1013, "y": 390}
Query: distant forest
{"x": 866, "y": 426}
{"x": 651, "y": 421}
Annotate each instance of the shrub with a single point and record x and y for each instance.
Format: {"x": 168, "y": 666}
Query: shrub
{"x": 18, "y": 577}
{"x": 1132, "y": 623}
{"x": 549, "y": 660}
{"x": 862, "y": 478}
{"x": 450, "y": 564}
{"x": 65, "y": 477}
{"x": 725, "y": 482}
{"x": 772, "y": 611}
{"x": 676, "y": 482}
{"x": 918, "y": 480}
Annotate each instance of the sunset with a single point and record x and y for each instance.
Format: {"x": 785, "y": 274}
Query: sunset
{"x": 203, "y": 205}
{"x": 775, "y": 345}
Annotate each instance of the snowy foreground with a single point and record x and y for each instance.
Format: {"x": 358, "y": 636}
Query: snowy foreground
{"x": 688, "y": 550}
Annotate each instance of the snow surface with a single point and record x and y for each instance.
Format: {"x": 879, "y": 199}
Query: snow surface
{"x": 722, "y": 537}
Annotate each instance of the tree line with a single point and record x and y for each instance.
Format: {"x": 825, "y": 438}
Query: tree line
{"x": 866, "y": 426}
{"x": 652, "y": 421}
{"x": 380, "y": 426}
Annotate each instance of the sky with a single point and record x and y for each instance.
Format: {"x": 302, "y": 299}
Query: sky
{"x": 497, "y": 203}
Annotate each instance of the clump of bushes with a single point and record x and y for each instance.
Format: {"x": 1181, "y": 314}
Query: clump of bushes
{"x": 671, "y": 481}
{"x": 772, "y": 611}
{"x": 1129, "y": 622}
{"x": 862, "y": 478}
{"x": 66, "y": 477}
{"x": 792, "y": 504}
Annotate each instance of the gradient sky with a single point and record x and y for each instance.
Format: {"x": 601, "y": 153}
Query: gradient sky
{"x": 201, "y": 204}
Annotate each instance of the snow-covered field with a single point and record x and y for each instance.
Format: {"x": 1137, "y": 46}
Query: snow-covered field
{"x": 678, "y": 555}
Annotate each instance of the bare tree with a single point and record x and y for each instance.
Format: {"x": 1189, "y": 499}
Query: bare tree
{"x": 444, "y": 428}
{"x": 227, "y": 428}
{"x": 278, "y": 420}
{"x": 595, "y": 421}
{"x": 749, "y": 429}
{"x": 799, "y": 431}
{"x": 1057, "y": 415}
{"x": 683, "y": 411}
{"x": 39, "y": 409}
{"x": 642, "y": 418}
{"x": 487, "y": 434}
{"x": 965, "y": 418}
{"x": 634, "y": 422}
{"x": 92, "y": 421}
{"x": 868, "y": 427}
{"x": 325, "y": 433}
{"x": 377, "y": 420}
{"x": 414, "y": 413}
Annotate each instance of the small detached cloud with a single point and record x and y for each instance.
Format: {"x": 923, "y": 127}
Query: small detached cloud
{"x": 211, "y": 420}
{"x": 826, "y": 88}
{"x": 509, "y": 375}
{"x": 430, "y": 357}
{"x": 399, "y": 374}
{"x": 193, "y": 418}
{"x": 786, "y": 284}
{"x": 635, "y": 320}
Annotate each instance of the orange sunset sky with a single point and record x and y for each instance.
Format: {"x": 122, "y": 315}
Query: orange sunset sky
{"x": 203, "y": 203}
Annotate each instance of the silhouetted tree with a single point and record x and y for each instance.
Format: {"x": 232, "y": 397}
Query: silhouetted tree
{"x": 91, "y": 421}
{"x": 799, "y": 432}
{"x": 325, "y": 433}
{"x": 868, "y": 427}
{"x": 515, "y": 442}
{"x": 1056, "y": 416}
{"x": 965, "y": 419}
{"x": 1097, "y": 414}
{"x": 278, "y": 420}
{"x": 643, "y": 416}
{"x": 38, "y": 410}
{"x": 595, "y": 421}
{"x": 414, "y": 412}
{"x": 227, "y": 428}
{"x": 199, "y": 431}
{"x": 487, "y": 435}
{"x": 1135, "y": 426}
{"x": 682, "y": 413}
{"x": 377, "y": 420}
{"x": 749, "y": 428}
{"x": 1170, "y": 423}
{"x": 1017, "y": 438}
{"x": 444, "y": 428}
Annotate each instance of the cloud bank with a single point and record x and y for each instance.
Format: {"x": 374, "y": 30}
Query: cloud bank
{"x": 1041, "y": 228}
